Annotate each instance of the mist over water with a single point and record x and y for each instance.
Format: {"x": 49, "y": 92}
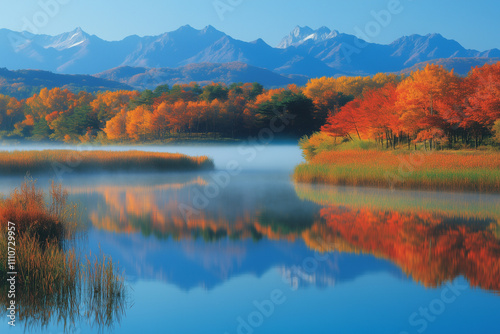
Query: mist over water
{"x": 250, "y": 157}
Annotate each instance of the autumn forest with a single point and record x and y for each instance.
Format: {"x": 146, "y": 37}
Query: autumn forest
{"x": 432, "y": 107}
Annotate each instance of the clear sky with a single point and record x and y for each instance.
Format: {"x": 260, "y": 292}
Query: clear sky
{"x": 475, "y": 24}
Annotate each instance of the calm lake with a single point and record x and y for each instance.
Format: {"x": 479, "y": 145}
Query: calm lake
{"x": 245, "y": 250}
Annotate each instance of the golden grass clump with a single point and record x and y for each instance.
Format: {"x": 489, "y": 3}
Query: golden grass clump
{"x": 53, "y": 282}
{"x": 27, "y": 209}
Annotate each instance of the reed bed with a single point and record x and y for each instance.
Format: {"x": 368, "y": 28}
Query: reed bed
{"x": 21, "y": 162}
{"x": 464, "y": 171}
{"x": 26, "y": 207}
{"x": 53, "y": 282}
{"x": 47, "y": 283}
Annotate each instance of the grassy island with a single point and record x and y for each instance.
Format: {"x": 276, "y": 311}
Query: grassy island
{"x": 21, "y": 162}
{"x": 362, "y": 164}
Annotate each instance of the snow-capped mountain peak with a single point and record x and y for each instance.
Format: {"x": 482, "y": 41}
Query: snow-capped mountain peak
{"x": 305, "y": 51}
{"x": 298, "y": 34}
{"x": 67, "y": 40}
{"x": 301, "y": 35}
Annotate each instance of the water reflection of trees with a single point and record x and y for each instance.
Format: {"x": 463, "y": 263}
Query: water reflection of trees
{"x": 432, "y": 237}
{"x": 154, "y": 211}
{"x": 432, "y": 246}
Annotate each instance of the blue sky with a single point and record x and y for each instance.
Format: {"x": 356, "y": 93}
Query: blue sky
{"x": 474, "y": 24}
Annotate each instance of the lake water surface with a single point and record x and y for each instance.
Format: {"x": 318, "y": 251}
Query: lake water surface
{"x": 245, "y": 250}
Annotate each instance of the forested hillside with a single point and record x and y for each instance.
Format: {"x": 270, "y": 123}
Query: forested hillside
{"x": 25, "y": 83}
{"x": 432, "y": 106}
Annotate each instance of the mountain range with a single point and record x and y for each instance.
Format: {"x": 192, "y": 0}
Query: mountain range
{"x": 210, "y": 55}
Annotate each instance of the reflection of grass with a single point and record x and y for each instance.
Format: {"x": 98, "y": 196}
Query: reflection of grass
{"x": 456, "y": 205}
{"x": 49, "y": 283}
{"x": 104, "y": 291}
{"x": 456, "y": 171}
{"x": 114, "y": 188}
{"x": 87, "y": 161}
{"x": 47, "y": 279}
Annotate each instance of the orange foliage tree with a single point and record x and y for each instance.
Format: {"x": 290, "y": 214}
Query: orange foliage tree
{"x": 432, "y": 106}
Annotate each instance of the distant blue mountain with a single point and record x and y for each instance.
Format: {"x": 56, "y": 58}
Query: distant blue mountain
{"x": 205, "y": 73}
{"x": 304, "y": 51}
{"x": 350, "y": 55}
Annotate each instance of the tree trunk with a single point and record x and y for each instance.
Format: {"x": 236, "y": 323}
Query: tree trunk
{"x": 357, "y": 132}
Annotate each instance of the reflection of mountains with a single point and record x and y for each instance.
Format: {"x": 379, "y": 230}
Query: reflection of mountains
{"x": 190, "y": 264}
{"x": 432, "y": 246}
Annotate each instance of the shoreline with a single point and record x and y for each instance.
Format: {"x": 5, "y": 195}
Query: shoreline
{"x": 436, "y": 171}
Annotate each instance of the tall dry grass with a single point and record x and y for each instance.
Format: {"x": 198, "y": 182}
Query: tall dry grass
{"x": 53, "y": 282}
{"x": 104, "y": 291}
{"x": 464, "y": 171}
{"x": 26, "y": 207}
{"x": 21, "y": 162}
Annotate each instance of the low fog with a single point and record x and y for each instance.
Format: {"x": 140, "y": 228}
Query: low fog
{"x": 250, "y": 157}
